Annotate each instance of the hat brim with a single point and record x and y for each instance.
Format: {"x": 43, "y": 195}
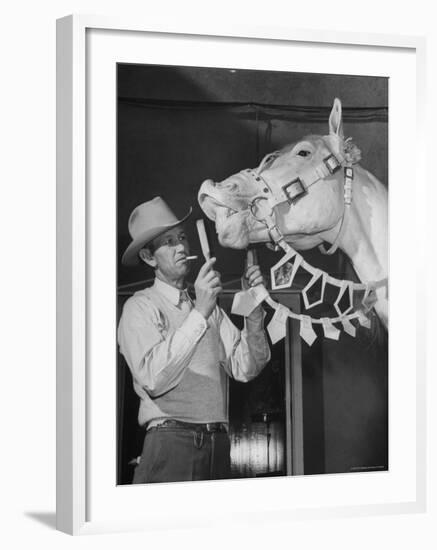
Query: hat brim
{"x": 130, "y": 256}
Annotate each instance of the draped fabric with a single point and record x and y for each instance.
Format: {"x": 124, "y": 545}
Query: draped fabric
{"x": 247, "y": 111}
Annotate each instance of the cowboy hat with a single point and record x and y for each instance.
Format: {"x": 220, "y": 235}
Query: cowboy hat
{"x": 147, "y": 221}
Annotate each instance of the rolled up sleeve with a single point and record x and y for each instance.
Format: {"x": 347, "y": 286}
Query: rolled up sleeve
{"x": 247, "y": 351}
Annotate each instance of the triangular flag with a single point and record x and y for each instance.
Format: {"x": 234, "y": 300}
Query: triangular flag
{"x": 316, "y": 276}
{"x": 349, "y": 327}
{"x": 259, "y": 293}
{"x": 243, "y": 303}
{"x": 282, "y": 273}
{"x": 329, "y": 330}
{"x": 277, "y": 328}
{"x": 344, "y": 286}
{"x": 246, "y": 301}
{"x": 363, "y": 320}
{"x": 369, "y": 298}
{"x": 307, "y": 332}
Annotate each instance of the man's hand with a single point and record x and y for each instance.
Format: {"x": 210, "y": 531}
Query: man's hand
{"x": 207, "y": 287}
{"x": 252, "y": 277}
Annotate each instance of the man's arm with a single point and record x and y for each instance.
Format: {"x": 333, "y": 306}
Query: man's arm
{"x": 247, "y": 351}
{"x": 157, "y": 362}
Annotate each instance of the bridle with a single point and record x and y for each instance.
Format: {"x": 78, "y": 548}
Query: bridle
{"x": 262, "y": 207}
{"x": 290, "y": 189}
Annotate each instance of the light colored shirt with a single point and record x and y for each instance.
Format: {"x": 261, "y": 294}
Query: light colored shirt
{"x": 180, "y": 362}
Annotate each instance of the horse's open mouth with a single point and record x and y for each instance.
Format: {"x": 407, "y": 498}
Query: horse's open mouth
{"x": 230, "y": 224}
{"x": 214, "y": 209}
{"x": 224, "y": 212}
{"x": 226, "y": 217}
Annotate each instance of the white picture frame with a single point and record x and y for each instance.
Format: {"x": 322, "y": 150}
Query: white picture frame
{"x": 75, "y": 345}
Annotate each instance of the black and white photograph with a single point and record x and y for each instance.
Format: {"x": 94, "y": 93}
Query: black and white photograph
{"x": 252, "y": 275}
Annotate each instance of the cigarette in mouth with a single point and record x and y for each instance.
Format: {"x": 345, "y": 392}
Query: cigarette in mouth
{"x": 191, "y": 257}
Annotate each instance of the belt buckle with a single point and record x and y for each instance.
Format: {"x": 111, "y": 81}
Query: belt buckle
{"x": 215, "y": 427}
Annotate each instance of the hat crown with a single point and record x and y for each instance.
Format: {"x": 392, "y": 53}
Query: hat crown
{"x": 147, "y": 221}
{"x": 148, "y": 215}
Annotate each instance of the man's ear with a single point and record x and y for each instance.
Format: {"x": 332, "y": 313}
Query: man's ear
{"x": 147, "y": 257}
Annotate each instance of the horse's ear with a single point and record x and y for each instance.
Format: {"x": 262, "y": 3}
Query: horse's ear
{"x": 335, "y": 119}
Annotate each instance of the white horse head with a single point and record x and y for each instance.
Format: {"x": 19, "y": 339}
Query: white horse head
{"x": 300, "y": 191}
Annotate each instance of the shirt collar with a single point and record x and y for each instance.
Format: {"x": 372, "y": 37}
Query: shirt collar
{"x": 172, "y": 293}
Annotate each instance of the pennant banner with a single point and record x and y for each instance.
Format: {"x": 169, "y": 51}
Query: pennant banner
{"x": 345, "y": 287}
{"x": 317, "y": 275}
{"x": 277, "y": 328}
{"x": 282, "y": 274}
{"x": 369, "y": 298}
{"x": 243, "y": 303}
{"x": 363, "y": 320}
{"x": 246, "y": 301}
{"x": 259, "y": 293}
{"x": 329, "y": 330}
{"x": 349, "y": 328}
{"x": 307, "y": 332}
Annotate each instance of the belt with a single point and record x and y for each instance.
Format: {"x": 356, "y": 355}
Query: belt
{"x": 209, "y": 427}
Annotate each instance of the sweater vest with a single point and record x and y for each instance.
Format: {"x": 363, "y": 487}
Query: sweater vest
{"x": 202, "y": 393}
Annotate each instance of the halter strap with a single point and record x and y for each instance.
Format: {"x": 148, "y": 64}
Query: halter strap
{"x": 288, "y": 190}
{"x": 291, "y": 190}
{"x": 347, "y": 196}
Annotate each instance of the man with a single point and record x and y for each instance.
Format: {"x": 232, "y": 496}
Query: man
{"x": 181, "y": 353}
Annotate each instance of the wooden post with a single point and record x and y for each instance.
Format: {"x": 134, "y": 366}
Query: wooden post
{"x": 294, "y": 395}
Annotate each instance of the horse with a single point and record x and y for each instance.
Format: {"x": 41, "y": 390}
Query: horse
{"x": 306, "y": 194}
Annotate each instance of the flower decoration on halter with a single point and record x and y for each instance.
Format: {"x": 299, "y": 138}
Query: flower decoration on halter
{"x": 352, "y": 153}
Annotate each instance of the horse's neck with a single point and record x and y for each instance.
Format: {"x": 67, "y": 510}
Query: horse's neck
{"x": 365, "y": 238}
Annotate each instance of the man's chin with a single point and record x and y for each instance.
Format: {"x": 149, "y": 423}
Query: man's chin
{"x": 183, "y": 267}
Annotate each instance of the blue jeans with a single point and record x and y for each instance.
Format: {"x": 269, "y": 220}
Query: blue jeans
{"x": 183, "y": 454}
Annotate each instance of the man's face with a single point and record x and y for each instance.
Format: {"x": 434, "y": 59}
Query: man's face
{"x": 169, "y": 254}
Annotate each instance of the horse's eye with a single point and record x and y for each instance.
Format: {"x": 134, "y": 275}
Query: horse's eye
{"x": 304, "y": 153}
